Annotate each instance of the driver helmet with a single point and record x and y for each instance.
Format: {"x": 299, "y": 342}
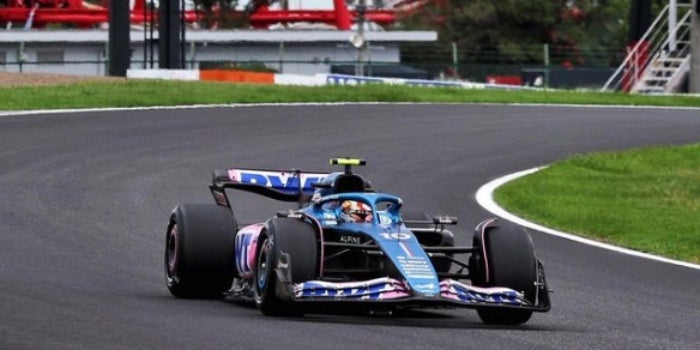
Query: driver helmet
{"x": 355, "y": 211}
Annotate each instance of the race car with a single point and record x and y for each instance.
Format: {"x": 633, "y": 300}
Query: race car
{"x": 346, "y": 244}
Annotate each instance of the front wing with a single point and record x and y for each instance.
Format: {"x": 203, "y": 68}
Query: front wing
{"x": 390, "y": 290}
{"x": 387, "y": 290}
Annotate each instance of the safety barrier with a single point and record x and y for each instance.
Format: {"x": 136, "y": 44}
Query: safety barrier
{"x": 342, "y": 79}
{"x": 237, "y": 76}
{"x": 302, "y": 80}
{"x": 226, "y": 75}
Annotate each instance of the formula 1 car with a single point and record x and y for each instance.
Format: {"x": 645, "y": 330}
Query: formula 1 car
{"x": 346, "y": 244}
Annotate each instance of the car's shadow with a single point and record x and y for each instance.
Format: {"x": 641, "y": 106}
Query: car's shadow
{"x": 413, "y": 318}
{"x": 433, "y": 318}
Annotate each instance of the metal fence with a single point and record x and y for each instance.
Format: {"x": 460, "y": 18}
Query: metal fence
{"x": 451, "y": 60}
{"x": 427, "y": 61}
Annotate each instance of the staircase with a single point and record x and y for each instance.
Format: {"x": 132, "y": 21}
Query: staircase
{"x": 660, "y": 61}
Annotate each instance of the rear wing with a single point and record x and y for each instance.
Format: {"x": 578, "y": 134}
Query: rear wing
{"x": 283, "y": 185}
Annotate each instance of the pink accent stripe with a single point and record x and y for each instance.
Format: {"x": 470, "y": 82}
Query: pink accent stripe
{"x": 320, "y": 238}
{"x": 233, "y": 175}
{"x": 483, "y": 247}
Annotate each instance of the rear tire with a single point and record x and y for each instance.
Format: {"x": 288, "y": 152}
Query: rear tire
{"x": 288, "y": 241}
{"x": 199, "y": 251}
{"x": 509, "y": 262}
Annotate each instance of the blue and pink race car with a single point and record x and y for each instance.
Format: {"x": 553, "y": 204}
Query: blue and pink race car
{"x": 346, "y": 245}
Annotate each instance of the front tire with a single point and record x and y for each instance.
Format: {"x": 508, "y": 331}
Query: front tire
{"x": 199, "y": 251}
{"x": 290, "y": 242}
{"x": 506, "y": 258}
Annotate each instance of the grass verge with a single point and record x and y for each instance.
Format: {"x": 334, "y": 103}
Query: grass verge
{"x": 645, "y": 199}
{"x": 132, "y": 93}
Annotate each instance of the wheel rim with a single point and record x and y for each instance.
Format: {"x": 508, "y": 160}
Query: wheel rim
{"x": 263, "y": 265}
{"x": 171, "y": 254}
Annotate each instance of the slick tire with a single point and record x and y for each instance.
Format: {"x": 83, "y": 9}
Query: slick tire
{"x": 505, "y": 258}
{"x": 291, "y": 242}
{"x": 199, "y": 251}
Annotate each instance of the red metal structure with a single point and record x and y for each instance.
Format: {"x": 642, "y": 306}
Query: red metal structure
{"x": 82, "y": 14}
{"x": 340, "y": 17}
{"x": 39, "y": 13}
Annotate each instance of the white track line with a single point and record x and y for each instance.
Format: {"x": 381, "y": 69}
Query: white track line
{"x": 303, "y": 104}
{"x": 484, "y": 196}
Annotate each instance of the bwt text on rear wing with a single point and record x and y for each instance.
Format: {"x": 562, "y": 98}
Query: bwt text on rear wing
{"x": 283, "y": 185}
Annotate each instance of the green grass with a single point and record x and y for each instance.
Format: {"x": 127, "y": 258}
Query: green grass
{"x": 133, "y": 93}
{"x": 645, "y": 199}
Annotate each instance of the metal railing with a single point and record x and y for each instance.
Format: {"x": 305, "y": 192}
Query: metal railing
{"x": 661, "y": 38}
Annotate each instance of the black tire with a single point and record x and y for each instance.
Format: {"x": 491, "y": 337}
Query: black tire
{"x": 284, "y": 238}
{"x": 199, "y": 251}
{"x": 509, "y": 262}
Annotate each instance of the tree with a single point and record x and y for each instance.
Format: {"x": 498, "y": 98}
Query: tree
{"x": 581, "y": 32}
{"x": 222, "y": 13}
{"x": 591, "y": 33}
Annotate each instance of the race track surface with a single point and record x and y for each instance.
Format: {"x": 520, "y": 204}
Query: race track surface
{"x": 85, "y": 199}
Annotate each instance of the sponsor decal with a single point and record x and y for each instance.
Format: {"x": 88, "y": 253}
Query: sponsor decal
{"x": 276, "y": 179}
{"x": 245, "y": 249}
{"x": 329, "y": 218}
{"x": 350, "y": 239}
{"x": 383, "y": 288}
{"x": 457, "y": 291}
{"x": 396, "y": 236}
{"x": 415, "y": 267}
{"x": 220, "y": 198}
{"x": 428, "y": 286}
{"x": 384, "y": 219}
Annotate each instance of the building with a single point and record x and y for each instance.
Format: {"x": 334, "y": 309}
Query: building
{"x": 84, "y": 52}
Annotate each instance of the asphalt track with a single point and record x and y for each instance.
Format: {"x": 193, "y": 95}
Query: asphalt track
{"x": 84, "y": 199}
